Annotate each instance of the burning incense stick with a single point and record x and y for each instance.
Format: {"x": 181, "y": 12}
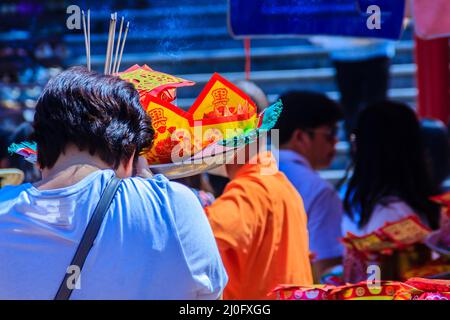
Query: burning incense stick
{"x": 108, "y": 46}
{"x": 110, "y": 71}
{"x": 118, "y": 45}
{"x": 85, "y": 38}
{"x": 123, "y": 45}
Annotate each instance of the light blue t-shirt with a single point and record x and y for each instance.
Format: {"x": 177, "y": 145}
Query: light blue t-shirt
{"x": 155, "y": 242}
{"x": 322, "y": 205}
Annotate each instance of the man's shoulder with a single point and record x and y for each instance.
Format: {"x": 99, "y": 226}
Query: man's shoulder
{"x": 304, "y": 177}
{"x": 158, "y": 188}
{"x": 262, "y": 188}
{"x": 157, "y": 182}
{"x": 295, "y": 168}
{"x": 251, "y": 183}
{"x": 161, "y": 182}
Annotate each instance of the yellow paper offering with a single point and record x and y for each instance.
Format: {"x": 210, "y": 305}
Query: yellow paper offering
{"x": 222, "y": 111}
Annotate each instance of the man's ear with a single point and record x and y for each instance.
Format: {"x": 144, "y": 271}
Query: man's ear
{"x": 301, "y": 141}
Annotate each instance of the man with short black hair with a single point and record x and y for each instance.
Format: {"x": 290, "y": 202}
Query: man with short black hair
{"x": 307, "y": 129}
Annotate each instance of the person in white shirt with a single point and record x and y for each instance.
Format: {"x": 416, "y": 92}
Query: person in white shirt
{"x": 307, "y": 130}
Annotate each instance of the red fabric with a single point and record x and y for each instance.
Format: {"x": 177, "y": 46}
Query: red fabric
{"x": 433, "y": 79}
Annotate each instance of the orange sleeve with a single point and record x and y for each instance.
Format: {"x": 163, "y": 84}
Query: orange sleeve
{"x": 234, "y": 215}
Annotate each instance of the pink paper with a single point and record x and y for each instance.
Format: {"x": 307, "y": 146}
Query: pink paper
{"x": 432, "y": 18}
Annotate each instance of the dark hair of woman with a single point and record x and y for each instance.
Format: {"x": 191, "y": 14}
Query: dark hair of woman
{"x": 97, "y": 113}
{"x": 389, "y": 161}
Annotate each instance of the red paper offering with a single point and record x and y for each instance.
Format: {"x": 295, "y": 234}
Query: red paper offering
{"x": 430, "y": 285}
{"x": 383, "y": 290}
{"x": 393, "y": 235}
{"x": 443, "y": 199}
{"x": 149, "y": 82}
{"x": 405, "y": 232}
{"x": 413, "y": 289}
{"x": 426, "y": 289}
{"x": 394, "y": 246}
{"x": 221, "y": 112}
{"x": 368, "y": 243}
{"x": 315, "y": 292}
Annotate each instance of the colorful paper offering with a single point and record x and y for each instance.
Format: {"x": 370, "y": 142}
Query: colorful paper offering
{"x": 443, "y": 199}
{"x": 443, "y": 235}
{"x": 397, "y": 248}
{"x": 413, "y": 289}
{"x": 314, "y": 292}
{"x": 28, "y": 150}
{"x": 430, "y": 285}
{"x": 221, "y": 112}
{"x": 149, "y": 82}
{"x": 393, "y": 235}
{"x": 426, "y": 289}
{"x": 382, "y": 290}
{"x": 368, "y": 243}
{"x": 405, "y": 232}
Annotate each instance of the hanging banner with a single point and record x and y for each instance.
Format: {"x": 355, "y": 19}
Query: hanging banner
{"x": 290, "y": 18}
{"x": 431, "y": 18}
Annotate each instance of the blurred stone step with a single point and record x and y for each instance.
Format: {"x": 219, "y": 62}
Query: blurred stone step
{"x": 176, "y": 40}
{"x": 226, "y": 60}
{"x": 407, "y": 95}
{"x": 321, "y": 79}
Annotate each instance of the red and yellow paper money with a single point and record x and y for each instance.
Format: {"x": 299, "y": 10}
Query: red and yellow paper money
{"x": 221, "y": 111}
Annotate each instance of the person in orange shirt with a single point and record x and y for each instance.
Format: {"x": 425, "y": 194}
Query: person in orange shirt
{"x": 259, "y": 223}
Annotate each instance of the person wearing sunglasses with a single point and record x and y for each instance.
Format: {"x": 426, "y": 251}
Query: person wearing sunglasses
{"x": 307, "y": 136}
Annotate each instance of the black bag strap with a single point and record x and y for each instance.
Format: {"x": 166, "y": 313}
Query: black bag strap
{"x": 89, "y": 235}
